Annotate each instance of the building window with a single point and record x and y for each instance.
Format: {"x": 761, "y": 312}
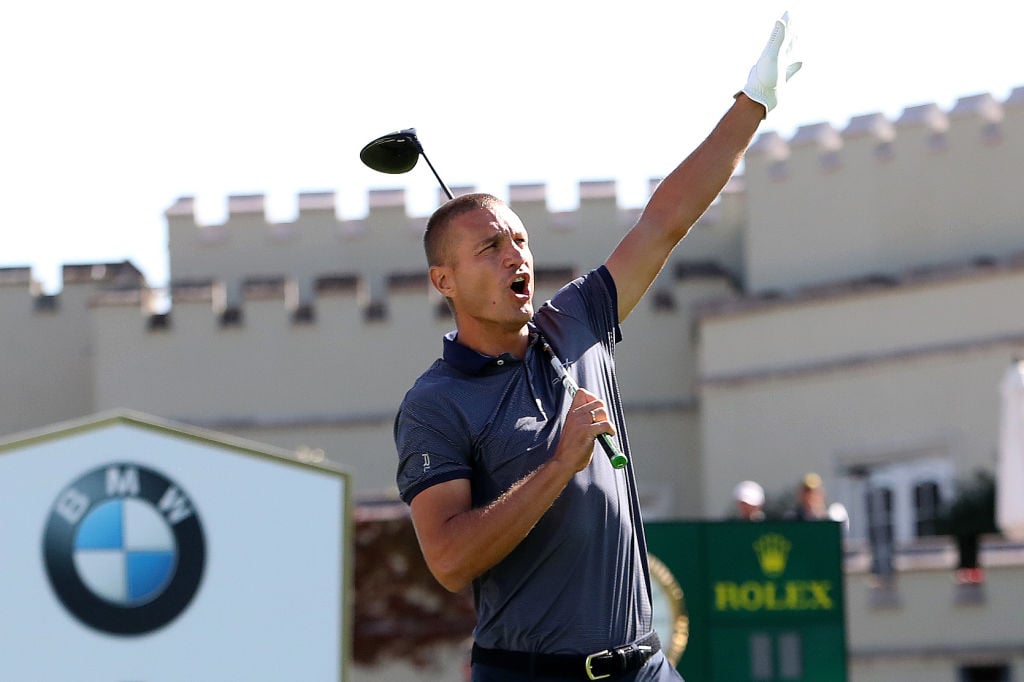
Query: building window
{"x": 376, "y": 311}
{"x": 231, "y": 317}
{"x": 878, "y": 503}
{"x": 898, "y": 500}
{"x": 303, "y": 314}
{"x": 985, "y": 673}
{"x": 663, "y": 301}
{"x": 44, "y": 303}
{"x": 442, "y": 311}
{"x": 158, "y": 321}
{"x": 927, "y": 503}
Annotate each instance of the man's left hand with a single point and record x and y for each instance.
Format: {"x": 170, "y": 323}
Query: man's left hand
{"x": 775, "y": 66}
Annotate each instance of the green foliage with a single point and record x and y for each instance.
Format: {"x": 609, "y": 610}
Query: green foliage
{"x": 972, "y": 512}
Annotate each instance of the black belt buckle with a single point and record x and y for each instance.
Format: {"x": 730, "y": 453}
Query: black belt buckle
{"x": 622, "y": 655}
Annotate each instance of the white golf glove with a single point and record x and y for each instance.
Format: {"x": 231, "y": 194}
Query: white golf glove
{"x": 775, "y": 66}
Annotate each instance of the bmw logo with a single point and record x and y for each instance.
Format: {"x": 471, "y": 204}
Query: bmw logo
{"x": 124, "y": 549}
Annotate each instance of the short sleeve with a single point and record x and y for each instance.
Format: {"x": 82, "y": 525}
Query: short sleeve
{"x": 433, "y": 444}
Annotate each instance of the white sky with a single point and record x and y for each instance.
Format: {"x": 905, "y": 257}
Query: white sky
{"x": 112, "y": 109}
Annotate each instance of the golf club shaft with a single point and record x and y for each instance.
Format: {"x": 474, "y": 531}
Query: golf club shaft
{"x": 617, "y": 459}
{"x": 447, "y": 191}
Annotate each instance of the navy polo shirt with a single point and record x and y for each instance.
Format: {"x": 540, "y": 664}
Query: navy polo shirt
{"x": 578, "y": 583}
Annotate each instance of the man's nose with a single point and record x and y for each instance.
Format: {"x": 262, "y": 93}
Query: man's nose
{"x": 515, "y": 255}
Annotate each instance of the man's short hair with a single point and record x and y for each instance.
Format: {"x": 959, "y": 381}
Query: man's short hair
{"x": 435, "y": 239}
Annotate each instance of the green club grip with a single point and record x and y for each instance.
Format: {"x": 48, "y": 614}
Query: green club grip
{"x": 617, "y": 459}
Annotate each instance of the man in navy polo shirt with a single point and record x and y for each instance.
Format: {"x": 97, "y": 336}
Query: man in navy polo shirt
{"x": 497, "y": 462}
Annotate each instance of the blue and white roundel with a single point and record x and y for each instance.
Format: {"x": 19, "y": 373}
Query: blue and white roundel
{"x": 125, "y": 552}
{"x": 124, "y": 549}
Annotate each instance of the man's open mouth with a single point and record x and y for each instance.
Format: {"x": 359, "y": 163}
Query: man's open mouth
{"x": 519, "y": 285}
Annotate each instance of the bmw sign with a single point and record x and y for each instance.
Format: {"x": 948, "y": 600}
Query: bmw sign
{"x": 124, "y": 549}
{"x": 141, "y": 550}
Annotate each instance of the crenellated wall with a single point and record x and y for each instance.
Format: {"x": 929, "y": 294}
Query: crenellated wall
{"x": 385, "y": 244}
{"x": 883, "y": 197}
{"x": 46, "y": 343}
{"x": 878, "y": 197}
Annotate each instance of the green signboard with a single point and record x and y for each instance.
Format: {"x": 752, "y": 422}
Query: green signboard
{"x": 762, "y": 602}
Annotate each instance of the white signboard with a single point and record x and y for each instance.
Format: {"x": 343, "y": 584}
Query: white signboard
{"x": 134, "y": 551}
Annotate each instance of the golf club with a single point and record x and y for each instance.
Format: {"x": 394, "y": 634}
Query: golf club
{"x": 617, "y": 459}
{"x": 397, "y": 153}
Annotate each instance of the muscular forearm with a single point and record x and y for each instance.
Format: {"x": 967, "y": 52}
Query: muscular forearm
{"x": 687, "y": 191}
{"x": 460, "y": 542}
{"x": 679, "y": 201}
{"x": 470, "y": 542}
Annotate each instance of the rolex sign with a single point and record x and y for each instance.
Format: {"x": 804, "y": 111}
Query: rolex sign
{"x": 764, "y": 600}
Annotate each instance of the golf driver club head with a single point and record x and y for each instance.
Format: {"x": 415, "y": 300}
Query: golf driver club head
{"x": 397, "y": 153}
{"x": 394, "y": 153}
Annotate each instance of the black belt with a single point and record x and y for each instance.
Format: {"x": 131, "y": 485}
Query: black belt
{"x": 596, "y": 666}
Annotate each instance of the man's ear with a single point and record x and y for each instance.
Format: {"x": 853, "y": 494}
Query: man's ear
{"x": 440, "y": 277}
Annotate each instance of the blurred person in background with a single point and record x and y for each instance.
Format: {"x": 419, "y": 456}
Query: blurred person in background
{"x": 749, "y": 498}
{"x": 812, "y": 504}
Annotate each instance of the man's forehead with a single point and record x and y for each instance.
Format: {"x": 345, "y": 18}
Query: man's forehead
{"x": 498, "y": 218}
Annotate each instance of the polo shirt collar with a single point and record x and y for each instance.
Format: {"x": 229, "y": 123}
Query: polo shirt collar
{"x": 465, "y": 359}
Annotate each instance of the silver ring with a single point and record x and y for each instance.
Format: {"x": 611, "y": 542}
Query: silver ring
{"x": 593, "y": 416}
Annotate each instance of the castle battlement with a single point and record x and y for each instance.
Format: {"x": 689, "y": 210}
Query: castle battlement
{"x": 877, "y": 198}
{"x": 885, "y": 166}
{"x": 323, "y": 203}
{"x": 16, "y": 276}
{"x": 884, "y": 196}
{"x": 21, "y": 291}
{"x": 978, "y": 115}
{"x": 277, "y": 297}
{"x": 384, "y": 242}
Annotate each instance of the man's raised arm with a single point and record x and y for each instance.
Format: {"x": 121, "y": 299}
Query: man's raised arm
{"x": 683, "y": 196}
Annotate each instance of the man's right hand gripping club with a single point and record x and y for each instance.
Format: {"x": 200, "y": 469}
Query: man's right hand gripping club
{"x": 775, "y": 66}
{"x": 587, "y": 419}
